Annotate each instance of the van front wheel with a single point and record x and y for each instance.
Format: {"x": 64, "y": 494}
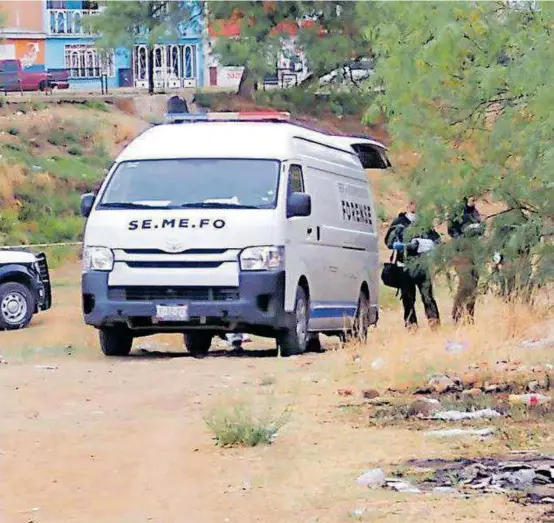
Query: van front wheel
{"x": 295, "y": 340}
{"x": 198, "y": 343}
{"x": 115, "y": 341}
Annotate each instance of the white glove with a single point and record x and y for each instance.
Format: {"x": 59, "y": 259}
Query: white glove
{"x": 424, "y": 245}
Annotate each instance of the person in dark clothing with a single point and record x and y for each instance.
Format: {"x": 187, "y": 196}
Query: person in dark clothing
{"x": 177, "y": 105}
{"x": 410, "y": 254}
{"x": 463, "y": 229}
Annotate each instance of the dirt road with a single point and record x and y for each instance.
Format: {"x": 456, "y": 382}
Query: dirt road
{"x": 87, "y": 439}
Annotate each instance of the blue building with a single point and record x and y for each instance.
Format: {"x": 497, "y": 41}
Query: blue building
{"x": 71, "y": 46}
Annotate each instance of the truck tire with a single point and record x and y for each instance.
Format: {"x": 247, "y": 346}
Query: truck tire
{"x": 295, "y": 340}
{"x": 115, "y": 341}
{"x": 17, "y": 306}
{"x": 198, "y": 343}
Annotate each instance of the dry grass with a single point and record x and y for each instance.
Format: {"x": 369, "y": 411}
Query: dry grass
{"x": 237, "y": 426}
{"x": 410, "y": 357}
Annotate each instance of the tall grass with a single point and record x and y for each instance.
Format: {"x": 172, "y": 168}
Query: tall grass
{"x": 237, "y": 425}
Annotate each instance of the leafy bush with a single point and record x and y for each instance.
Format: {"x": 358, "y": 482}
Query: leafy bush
{"x": 14, "y": 131}
{"x": 237, "y": 426}
{"x": 204, "y": 99}
{"x": 75, "y": 150}
{"x": 97, "y": 105}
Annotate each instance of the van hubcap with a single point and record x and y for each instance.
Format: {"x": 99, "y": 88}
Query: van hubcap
{"x": 14, "y": 308}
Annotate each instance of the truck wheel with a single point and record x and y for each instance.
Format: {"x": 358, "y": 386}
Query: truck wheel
{"x": 17, "y": 306}
{"x": 198, "y": 343}
{"x": 115, "y": 341}
{"x": 363, "y": 318}
{"x": 295, "y": 340}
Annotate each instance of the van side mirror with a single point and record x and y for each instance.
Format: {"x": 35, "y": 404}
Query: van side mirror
{"x": 87, "y": 201}
{"x": 299, "y": 204}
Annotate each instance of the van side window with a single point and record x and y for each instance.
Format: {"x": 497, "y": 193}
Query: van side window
{"x": 296, "y": 179}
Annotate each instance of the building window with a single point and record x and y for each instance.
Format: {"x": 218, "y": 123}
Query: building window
{"x": 83, "y": 61}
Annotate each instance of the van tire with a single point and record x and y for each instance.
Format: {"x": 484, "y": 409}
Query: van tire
{"x": 17, "y": 305}
{"x": 362, "y": 320}
{"x": 198, "y": 343}
{"x": 314, "y": 343}
{"x": 295, "y": 340}
{"x": 115, "y": 341}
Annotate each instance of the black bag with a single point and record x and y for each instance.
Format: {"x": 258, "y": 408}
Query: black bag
{"x": 392, "y": 274}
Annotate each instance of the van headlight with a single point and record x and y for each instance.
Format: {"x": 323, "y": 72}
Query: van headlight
{"x": 262, "y": 259}
{"x": 97, "y": 259}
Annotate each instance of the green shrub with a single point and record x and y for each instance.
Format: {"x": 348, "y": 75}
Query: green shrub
{"x": 97, "y": 105}
{"x": 203, "y": 99}
{"x": 236, "y": 426}
{"x": 14, "y": 131}
{"x": 75, "y": 150}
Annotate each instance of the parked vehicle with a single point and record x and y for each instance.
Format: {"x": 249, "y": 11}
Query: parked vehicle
{"x": 231, "y": 222}
{"x": 14, "y": 78}
{"x": 24, "y": 287}
{"x": 58, "y": 79}
{"x": 353, "y": 72}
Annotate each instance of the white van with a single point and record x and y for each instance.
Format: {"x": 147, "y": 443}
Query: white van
{"x": 231, "y": 222}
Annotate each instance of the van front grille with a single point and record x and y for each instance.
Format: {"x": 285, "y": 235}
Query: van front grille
{"x": 136, "y": 293}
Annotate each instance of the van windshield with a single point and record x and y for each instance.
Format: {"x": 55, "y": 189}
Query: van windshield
{"x": 202, "y": 183}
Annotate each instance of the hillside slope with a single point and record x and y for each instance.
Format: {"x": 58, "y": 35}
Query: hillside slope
{"x": 50, "y": 155}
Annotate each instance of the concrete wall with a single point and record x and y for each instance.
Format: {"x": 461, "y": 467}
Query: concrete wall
{"x": 24, "y": 15}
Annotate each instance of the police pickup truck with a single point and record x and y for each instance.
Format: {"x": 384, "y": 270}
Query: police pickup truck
{"x": 24, "y": 287}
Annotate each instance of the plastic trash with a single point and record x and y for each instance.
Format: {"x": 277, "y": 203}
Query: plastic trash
{"x": 373, "y": 478}
{"x": 529, "y": 399}
{"x": 453, "y": 433}
{"x": 377, "y": 364}
{"x": 455, "y": 347}
{"x": 456, "y": 415}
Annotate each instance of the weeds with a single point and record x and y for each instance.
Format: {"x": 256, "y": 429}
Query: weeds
{"x": 97, "y": 105}
{"x": 266, "y": 381}
{"x": 75, "y": 150}
{"x": 237, "y": 426}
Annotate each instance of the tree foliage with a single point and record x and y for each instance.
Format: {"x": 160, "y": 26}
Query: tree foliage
{"x": 330, "y": 33}
{"x": 468, "y": 85}
{"x": 150, "y": 22}
{"x": 259, "y": 44}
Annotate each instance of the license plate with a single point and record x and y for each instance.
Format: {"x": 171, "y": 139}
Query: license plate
{"x": 172, "y": 313}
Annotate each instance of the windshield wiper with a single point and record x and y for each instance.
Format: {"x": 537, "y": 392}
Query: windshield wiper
{"x": 216, "y": 205}
{"x": 130, "y": 205}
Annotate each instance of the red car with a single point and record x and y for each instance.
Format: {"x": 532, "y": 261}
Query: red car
{"x": 58, "y": 79}
{"x": 14, "y": 78}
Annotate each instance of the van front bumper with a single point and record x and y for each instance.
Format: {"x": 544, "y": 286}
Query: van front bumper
{"x": 259, "y": 307}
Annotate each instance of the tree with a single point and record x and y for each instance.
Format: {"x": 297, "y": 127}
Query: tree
{"x": 127, "y": 23}
{"x": 328, "y": 32}
{"x": 258, "y": 44}
{"x": 336, "y": 37}
{"x": 469, "y": 87}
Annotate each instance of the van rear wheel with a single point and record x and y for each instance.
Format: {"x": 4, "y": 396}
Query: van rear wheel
{"x": 363, "y": 318}
{"x": 116, "y": 341}
{"x": 198, "y": 343}
{"x": 295, "y": 340}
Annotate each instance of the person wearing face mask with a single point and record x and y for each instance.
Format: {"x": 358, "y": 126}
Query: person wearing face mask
{"x": 410, "y": 254}
{"x": 464, "y": 228}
